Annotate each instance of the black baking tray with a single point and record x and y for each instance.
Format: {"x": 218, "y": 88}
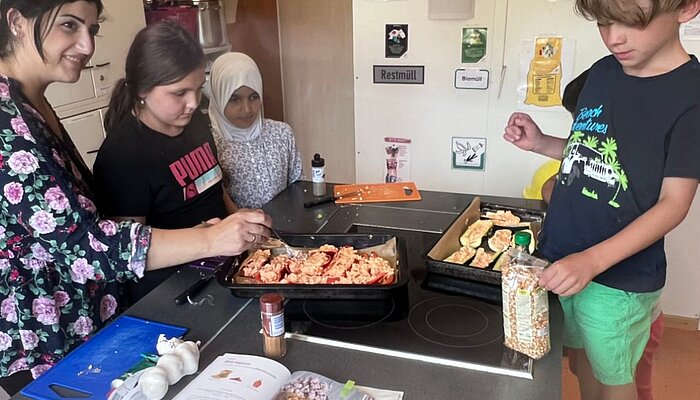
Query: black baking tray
{"x": 449, "y": 242}
{"x": 337, "y": 291}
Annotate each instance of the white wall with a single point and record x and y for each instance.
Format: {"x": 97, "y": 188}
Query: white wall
{"x": 431, "y": 114}
{"x": 681, "y": 295}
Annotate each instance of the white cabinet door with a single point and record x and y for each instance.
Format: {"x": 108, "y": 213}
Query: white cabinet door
{"x": 104, "y": 76}
{"x": 60, "y": 94}
{"x": 87, "y": 133}
{"x": 122, "y": 19}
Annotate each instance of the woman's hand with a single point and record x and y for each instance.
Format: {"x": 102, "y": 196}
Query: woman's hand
{"x": 522, "y": 131}
{"x": 208, "y": 223}
{"x": 238, "y": 232}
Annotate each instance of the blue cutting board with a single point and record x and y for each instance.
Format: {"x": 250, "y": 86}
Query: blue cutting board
{"x": 113, "y": 350}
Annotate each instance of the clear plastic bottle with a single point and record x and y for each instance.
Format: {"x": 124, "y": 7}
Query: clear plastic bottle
{"x": 272, "y": 318}
{"x": 318, "y": 175}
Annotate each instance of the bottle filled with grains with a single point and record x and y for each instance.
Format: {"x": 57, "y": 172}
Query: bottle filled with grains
{"x": 272, "y": 318}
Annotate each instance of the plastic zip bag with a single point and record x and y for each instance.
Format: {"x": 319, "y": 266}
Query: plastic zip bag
{"x": 525, "y": 304}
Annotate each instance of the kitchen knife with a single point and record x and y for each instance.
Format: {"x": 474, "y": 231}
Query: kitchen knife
{"x": 190, "y": 292}
{"x": 328, "y": 199}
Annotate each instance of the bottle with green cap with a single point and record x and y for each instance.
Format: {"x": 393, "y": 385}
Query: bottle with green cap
{"x": 522, "y": 241}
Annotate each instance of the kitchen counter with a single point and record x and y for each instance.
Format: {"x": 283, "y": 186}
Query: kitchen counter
{"x": 227, "y": 324}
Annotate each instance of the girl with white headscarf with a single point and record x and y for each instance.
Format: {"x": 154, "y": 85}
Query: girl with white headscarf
{"x": 258, "y": 155}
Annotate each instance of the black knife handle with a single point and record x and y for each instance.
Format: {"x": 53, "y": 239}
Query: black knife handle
{"x": 192, "y": 290}
{"x": 322, "y": 200}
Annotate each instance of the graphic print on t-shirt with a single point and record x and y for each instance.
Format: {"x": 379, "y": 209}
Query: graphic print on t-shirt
{"x": 591, "y": 156}
{"x": 196, "y": 171}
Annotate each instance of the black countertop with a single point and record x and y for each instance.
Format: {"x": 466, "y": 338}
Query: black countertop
{"x": 227, "y": 324}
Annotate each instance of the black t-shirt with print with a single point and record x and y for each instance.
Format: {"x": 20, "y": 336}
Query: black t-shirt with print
{"x": 176, "y": 182}
{"x": 628, "y": 134}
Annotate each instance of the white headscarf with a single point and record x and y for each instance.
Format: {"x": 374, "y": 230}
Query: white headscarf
{"x": 229, "y": 72}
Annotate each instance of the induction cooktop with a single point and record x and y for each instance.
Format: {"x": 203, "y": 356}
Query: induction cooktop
{"x": 427, "y": 322}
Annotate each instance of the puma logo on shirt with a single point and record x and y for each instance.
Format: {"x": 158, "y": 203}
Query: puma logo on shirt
{"x": 196, "y": 171}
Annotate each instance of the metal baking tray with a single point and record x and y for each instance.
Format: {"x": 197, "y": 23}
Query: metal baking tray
{"x": 449, "y": 243}
{"x": 225, "y": 277}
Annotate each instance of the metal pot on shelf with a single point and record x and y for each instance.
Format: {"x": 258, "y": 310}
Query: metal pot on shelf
{"x": 211, "y": 23}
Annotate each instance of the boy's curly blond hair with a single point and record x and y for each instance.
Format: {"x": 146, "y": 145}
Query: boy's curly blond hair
{"x": 628, "y": 12}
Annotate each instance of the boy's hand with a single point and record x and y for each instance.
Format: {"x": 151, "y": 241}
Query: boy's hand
{"x": 522, "y": 131}
{"x": 568, "y": 276}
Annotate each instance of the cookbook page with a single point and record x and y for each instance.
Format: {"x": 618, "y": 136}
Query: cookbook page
{"x": 237, "y": 377}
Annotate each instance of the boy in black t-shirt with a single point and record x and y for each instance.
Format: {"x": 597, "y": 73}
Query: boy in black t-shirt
{"x": 643, "y": 373}
{"x": 628, "y": 176}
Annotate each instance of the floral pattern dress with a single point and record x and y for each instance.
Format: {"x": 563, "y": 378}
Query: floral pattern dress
{"x": 257, "y": 170}
{"x": 60, "y": 264}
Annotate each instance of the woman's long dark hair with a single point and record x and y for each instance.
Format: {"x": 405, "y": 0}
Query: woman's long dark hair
{"x": 161, "y": 54}
{"x": 44, "y": 12}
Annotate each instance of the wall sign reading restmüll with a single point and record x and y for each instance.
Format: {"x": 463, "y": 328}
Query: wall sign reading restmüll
{"x": 399, "y": 74}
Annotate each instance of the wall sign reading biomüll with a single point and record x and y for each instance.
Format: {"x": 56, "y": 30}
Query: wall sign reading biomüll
{"x": 399, "y": 74}
{"x": 472, "y": 78}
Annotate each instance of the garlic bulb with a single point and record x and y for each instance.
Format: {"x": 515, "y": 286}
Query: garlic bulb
{"x": 173, "y": 366}
{"x": 154, "y": 383}
{"x": 177, "y": 359}
{"x": 189, "y": 354}
{"x": 165, "y": 345}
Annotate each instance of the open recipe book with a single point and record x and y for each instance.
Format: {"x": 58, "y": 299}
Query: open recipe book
{"x": 247, "y": 377}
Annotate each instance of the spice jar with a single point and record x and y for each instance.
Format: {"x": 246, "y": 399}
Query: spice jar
{"x": 272, "y": 317}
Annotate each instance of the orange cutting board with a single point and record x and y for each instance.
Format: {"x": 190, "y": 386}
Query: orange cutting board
{"x": 376, "y": 192}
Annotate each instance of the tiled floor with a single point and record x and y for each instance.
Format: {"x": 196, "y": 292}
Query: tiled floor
{"x": 676, "y": 368}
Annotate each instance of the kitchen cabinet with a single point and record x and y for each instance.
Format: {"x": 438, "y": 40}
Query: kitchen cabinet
{"x": 81, "y": 105}
{"x": 87, "y": 132}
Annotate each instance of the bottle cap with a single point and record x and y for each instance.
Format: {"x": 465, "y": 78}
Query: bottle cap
{"x": 318, "y": 162}
{"x": 271, "y": 303}
{"x": 522, "y": 238}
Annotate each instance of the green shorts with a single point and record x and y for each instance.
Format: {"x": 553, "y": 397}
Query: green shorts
{"x": 612, "y": 326}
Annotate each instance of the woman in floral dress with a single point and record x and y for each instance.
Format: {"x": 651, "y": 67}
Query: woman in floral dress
{"x": 60, "y": 262}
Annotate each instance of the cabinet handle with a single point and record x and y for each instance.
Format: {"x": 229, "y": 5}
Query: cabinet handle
{"x": 92, "y": 151}
{"x": 89, "y": 67}
{"x": 102, "y": 65}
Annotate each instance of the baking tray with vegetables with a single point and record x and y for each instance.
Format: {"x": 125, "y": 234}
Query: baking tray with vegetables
{"x": 471, "y": 247}
{"x": 328, "y": 266}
